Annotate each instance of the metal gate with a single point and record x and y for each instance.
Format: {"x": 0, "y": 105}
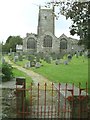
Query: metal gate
{"x": 52, "y": 101}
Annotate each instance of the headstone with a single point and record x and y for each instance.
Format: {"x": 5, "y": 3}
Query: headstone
{"x": 48, "y": 59}
{"x": 9, "y": 54}
{"x": 37, "y": 65}
{"x": 69, "y": 57}
{"x": 77, "y": 54}
{"x": 2, "y": 60}
{"x": 61, "y": 61}
{"x": 28, "y": 65}
{"x": 25, "y": 65}
{"x": 57, "y": 62}
{"x": 33, "y": 63}
{"x": 66, "y": 62}
{"x": 15, "y": 58}
{"x": 10, "y": 50}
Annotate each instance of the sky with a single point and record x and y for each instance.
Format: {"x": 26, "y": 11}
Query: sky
{"x": 18, "y": 17}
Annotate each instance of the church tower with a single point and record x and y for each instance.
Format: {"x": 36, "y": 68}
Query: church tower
{"x": 46, "y": 21}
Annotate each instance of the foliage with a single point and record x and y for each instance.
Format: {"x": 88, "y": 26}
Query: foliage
{"x": 79, "y": 13}
{"x": 11, "y": 42}
{"x": 7, "y": 72}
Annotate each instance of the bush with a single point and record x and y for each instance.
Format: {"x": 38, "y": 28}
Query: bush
{"x": 7, "y": 72}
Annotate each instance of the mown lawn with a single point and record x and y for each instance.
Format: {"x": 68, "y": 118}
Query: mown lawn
{"x": 22, "y": 63}
{"x": 18, "y": 73}
{"x": 76, "y": 71}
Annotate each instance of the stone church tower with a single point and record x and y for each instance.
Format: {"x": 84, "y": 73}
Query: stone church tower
{"x": 45, "y": 21}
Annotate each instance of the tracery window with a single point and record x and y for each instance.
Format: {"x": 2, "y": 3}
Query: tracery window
{"x": 31, "y": 43}
{"x": 63, "y": 44}
{"x": 47, "y": 41}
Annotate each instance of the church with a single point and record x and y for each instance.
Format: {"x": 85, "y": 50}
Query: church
{"x": 45, "y": 40}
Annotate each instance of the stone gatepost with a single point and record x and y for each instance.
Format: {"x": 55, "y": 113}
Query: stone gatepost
{"x": 20, "y": 95}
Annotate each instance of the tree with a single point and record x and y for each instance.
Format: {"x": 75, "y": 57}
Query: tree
{"x": 11, "y": 42}
{"x": 79, "y": 13}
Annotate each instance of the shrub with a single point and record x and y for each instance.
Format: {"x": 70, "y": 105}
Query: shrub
{"x": 7, "y": 72}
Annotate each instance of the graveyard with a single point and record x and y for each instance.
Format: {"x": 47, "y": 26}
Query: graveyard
{"x": 39, "y": 73}
{"x": 61, "y": 70}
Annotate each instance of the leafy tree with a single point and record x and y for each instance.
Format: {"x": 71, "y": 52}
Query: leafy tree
{"x": 11, "y": 42}
{"x": 7, "y": 72}
{"x": 79, "y": 13}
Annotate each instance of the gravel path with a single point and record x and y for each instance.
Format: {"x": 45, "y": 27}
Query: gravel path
{"x": 37, "y": 78}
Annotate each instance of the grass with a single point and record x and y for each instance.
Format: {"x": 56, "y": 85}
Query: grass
{"x": 75, "y": 72}
{"x": 22, "y": 63}
{"x": 18, "y": 73}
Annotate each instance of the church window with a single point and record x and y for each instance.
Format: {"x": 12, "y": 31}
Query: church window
{"x": 31, "y": 43}
{"x": 63, "y": 44}
{"x": 47, "y": 41}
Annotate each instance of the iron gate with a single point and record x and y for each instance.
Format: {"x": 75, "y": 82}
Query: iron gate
{"x": 52, "y": 101}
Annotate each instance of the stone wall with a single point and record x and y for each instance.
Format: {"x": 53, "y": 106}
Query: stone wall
{"x": 8, "y": 103}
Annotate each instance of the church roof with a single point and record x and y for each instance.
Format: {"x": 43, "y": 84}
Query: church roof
{"x": 63, "y": 36}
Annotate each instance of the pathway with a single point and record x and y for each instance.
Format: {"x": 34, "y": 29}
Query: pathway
{"x": 37, "y": 78}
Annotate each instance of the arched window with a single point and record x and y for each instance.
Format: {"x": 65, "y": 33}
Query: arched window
{"x": 31, "y": 43}
{"x": 63, "y": 44}
{"x": 47, "y": 41}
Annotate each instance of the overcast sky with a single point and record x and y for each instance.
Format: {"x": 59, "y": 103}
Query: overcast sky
{"x": 18, "y": 17}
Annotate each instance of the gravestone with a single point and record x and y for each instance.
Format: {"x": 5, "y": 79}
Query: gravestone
{"x": 37, "y": 65}
{"x": 77, "y": 54}
{"x": 61, "y": 61}
{"x": 9, "y": 54}
{"x": 2, "y": 60}
{"x": 69, "y": 57}
{"x": 15, "y": 58}
{"x": 48, "y": 59}
{"x": 32, "y": 63}
{"x": 57, "y": 62}
{"x": 28, "y": 65}
{"x": 66, "y": 62}
{"x": 10, "y": 50}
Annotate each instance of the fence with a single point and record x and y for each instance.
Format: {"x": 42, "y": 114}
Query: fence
{"x": 52, "y": 101}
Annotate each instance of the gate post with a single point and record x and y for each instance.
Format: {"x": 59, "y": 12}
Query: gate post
{"x": 20, "y": 96}
{"x": 79, "y": 103}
